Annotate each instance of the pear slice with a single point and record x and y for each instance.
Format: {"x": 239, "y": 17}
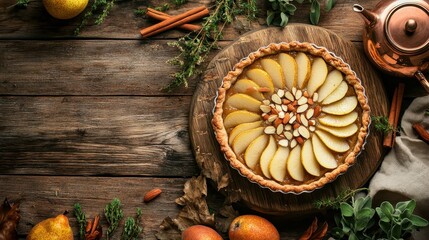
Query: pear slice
{"x": 244, "y": 102}
{"x": 332, "y": 142}
{"x": 248, "y": 87}
{"x": 254, "y": 151}
{"x": 304, "y": 69}
{"x": 261, "y": 78}
{"x": 290, "y": 70}
{"x": 242, "y": 141}
{"x": 342, "y": 132}
{"x": 319, "y": 70}
{"x": 332, "y": 81}
{"x": 294, "y": 165}
{"x": 242, "y": 127}
{"x": 309, "y": 160}
{"x": 278, "y": 164}
{"x": 342, "y": 107}
{"x": 323, "y": 155}
{"x": 337, "y": 94}
{"x": 275, "y": 71}
{"x": 239, "y": 117}
{"x": 267, "y": 156}
{"x": 338, "y": 121}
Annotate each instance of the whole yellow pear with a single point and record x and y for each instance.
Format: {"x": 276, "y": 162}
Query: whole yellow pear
{"x": 56, "y": 228}
{"x": 65, "y": 9}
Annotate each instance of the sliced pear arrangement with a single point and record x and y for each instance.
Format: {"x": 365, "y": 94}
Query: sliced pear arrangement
{"x": 304, "y": 69}
{"x": 242, "y": 127}
{"x": 278, "y": 164}
{"x": 337, "y": 94}
{"x": 275, "y": 71}
{"x": 323, "y": 155}
{"x": 261, "y": 78}
{"x": 254, "y": 151}
{"x": 342, "y": 132}
{"x": 339, "y": 121}
{"x": 333, "y": 80}
{"x": 239, "y": 117}
{"x": 248, "y": 87}
{"x": 342, "y": 107}
{"x": 319, "y": 70}
{"x": 267, "y": 156}
{"x": 294, "y": 165}
{"x": 290, "y": 69}
{"x": 309, "y": 160}
{"x": 244, "y": 102}
{"x": 242, "y": 141}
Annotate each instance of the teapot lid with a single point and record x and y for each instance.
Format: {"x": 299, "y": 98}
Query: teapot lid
{"x": 407, "y": 28}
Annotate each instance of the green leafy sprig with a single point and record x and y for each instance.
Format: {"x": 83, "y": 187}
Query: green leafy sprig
{"x": 81, "y": 220}
{"x": 20, "y": 4}
{"x": 381, "y": 124}
{"x": 132, "y": 228}
{"x": 195, "y": 47}
{"x": 279, "y": 11}
{"x": 99, "y": 11}
{"x": 114, "y": 214}
{"x": 340, "y": 198}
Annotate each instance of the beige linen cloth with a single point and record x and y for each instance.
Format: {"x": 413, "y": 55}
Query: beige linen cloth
{"x": 404, "y": 173}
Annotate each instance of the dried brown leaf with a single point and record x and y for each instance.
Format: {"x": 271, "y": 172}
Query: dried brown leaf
{"x": 224, "y": 218}
{"x": 9, "y": 219}
{"x": 320, "y": 233}
{"x": 168, "y": 230}
{"x": 310, "y": 230}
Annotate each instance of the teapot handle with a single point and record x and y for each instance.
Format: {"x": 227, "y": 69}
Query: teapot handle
{"x": 422, "y": 79}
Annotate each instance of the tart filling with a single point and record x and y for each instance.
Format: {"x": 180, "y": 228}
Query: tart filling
{"x": 291, "y": 117}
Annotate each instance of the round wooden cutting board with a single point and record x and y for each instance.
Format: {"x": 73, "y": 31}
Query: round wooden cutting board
{"x": 211, "y": 159}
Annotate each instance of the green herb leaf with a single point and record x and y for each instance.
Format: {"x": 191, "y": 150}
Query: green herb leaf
{"x": 284, "y": 19}
{"x": 132, "y": 228}
{"x": 99, "y": 10}
{"x": 114, "y": 214}
{"x": 315, "y": 12}
{"x": 81, "y": 220}
{"x": 330, "y": 4}
{"x": 418, "y": 221}
{"x": 346, "y": 209}
{"x": 381, "y": 124}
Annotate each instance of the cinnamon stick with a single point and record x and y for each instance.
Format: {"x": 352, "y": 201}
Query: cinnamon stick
{"x": 395, "y": 110}
{"x": 175, "y": 21}
{"x": 158, "y": 15}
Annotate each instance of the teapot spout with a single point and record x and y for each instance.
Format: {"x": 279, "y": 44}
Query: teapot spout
{"x": 369, "y": 17}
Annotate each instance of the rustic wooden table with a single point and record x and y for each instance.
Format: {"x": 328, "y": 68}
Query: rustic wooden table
{"x": 83, "y": 120}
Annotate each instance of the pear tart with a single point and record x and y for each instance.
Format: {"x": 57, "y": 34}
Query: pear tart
{"x": 291, "y": 117}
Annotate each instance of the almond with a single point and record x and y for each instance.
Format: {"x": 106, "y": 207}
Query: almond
{"x": 305, "y": 94}
{"x": 298, "y": 118}
{"x": 286, "y": 101}
{"x": 152, "y": 194}
{"x": 291, "y": 108}
{"x": 277, "y": 122}
{"x": 296, "y": 125}
{"x": 317, "y": 111}
{"x": 310, "y": 101}
{"x": 300, "y": 140}
{"x": 286, "y": 118}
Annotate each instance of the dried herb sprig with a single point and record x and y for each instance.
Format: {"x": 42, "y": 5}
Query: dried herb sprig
{"x": 336, "y": 202}
{"x": 99, "y": 10}
{"x": 279, "y": 11}
{"x": 381, "y": 124}
{"x": 81, "y": 220}
{"x": 194, "y": 47}
{"x": 132, "y": 228}
{"x": 114, "y": 214}
{"x": 20, "y": 4}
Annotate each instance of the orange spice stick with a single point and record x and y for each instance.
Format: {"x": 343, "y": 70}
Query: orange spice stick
{"x": 388, "y": 138}
{"x": 163, "y": 16}
{"x": 175, "y": 21}
{"x": 400, "y": 96}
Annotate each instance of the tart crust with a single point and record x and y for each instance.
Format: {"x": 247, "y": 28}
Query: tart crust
{"x": 330, "y": 59}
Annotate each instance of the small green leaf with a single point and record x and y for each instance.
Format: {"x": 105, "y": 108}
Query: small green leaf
{"x": 290, "y": 8}
{"x": 381, "y": 215}
{"x": 270, "y": 17}
{"x": 385, "y": 226}
{"x": 396, "y": 231}
{"x": 299, "y": 1}
{"x": 284, "y": 19}
{"x": 346, "y": 209}
{"x": 418, "y": 221}
{"x": 353, "y": 237}
{"x": 330, "y": 4}
{"x": 315, "y": 12}
{"x": 387, "y": 208}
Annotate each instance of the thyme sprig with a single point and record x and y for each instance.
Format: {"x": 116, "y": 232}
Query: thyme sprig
{"x": 381, "y": 124}
{"x": 195, "y": 47}
{"x": 336, "y": 202}
{"x": 114, "y": 214}
{"x": 81, "y": 220}
{"x": 20, "y": 4}
{"x": 99, "y": 10}
{"x": 132, "y": 228}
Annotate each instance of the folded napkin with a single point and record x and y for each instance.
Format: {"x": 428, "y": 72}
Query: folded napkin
{"x": 404, "y": 173}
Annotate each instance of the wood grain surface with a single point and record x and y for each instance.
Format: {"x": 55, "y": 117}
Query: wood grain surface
{"x": 204, "y": 143}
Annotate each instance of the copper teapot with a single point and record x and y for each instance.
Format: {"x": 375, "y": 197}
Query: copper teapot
{"x": 396, "y": 37}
